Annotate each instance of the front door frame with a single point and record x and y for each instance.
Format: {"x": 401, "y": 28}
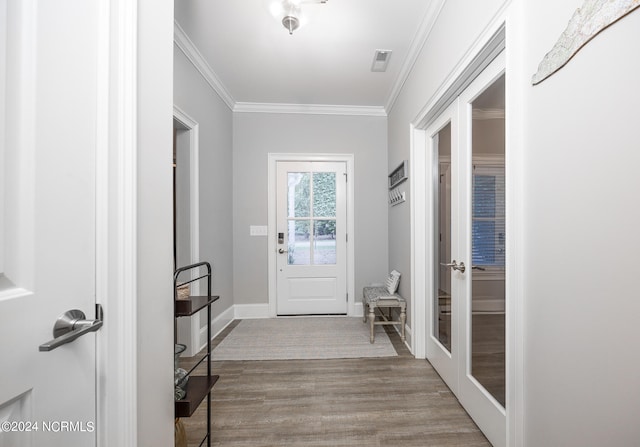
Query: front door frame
{"x": 273, "y": 159}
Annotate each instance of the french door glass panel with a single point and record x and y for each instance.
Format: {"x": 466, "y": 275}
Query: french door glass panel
{"x": 442, "y": 305}
{"x": 488, "y": 239}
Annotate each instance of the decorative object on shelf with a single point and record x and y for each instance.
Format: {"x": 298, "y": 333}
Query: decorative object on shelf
{"x": 180, "y": 375}
{"x": 183, "y": 292}
{"x": 396, "y": 197}
{"x": 289, "y": 12}
{"x": 399, "y": 174}
{"x": 180, "y": 438}
{"x": 593, "y": 17}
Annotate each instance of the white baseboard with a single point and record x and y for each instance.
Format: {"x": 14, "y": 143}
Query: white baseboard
{"x": 218, "y": 324}
{"x": 408, "y": 338}
{"x": 251, "y": 311}
{"x": 358, "y": 310}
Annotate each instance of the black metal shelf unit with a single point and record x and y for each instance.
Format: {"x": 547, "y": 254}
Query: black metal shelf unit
{"x": 198, "y": 386}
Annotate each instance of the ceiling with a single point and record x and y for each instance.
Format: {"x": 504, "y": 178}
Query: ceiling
{"x": 327, "y": 62}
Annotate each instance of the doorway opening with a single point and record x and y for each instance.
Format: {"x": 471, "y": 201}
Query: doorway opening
{"x": 459, "y": 238}
{"x": 186, "y": 227}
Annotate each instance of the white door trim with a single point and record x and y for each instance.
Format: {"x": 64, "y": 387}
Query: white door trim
{"x": 273, "y": 159}
{"x": 116, "y": 224}
{"x": 192, "y": 324}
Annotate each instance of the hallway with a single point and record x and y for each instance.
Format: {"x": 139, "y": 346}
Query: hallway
{"x": 393, "y": 401}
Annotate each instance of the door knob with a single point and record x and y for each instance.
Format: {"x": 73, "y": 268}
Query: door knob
{"x": 281, "y": 250}
{"x": 71, "y": 325}
{"x": 454, "y": 265}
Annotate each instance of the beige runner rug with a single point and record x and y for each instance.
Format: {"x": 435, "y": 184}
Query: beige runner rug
{"x": 303, "y": 338}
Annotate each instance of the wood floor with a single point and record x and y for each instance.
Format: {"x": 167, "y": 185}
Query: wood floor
{"x": 393, "y": 401}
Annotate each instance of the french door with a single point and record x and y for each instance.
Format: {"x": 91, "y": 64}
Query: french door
{"x": 311, "y": 238}
{"x": 466, "y": 313}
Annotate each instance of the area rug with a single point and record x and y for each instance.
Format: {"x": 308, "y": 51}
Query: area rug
{"x": 302, "y": 339}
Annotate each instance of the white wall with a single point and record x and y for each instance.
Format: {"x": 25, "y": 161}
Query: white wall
{"x": 256, "y": 135}
{"x": 581, "y": 184}
{"x": 155, "y": 241}
{"x": 193, "y": 95}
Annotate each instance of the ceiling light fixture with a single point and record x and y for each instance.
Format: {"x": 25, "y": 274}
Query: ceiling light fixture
{"x": 289, "y": 12}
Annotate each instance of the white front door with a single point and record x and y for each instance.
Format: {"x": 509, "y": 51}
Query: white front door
{"x": 466, "y": 315}
{"x": 48, "y": 112}
{"x": 311, "y": 238}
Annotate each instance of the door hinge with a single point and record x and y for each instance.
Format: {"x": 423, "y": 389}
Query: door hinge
{"x": 347, "y": 297}
{"x": 346, "y": 237}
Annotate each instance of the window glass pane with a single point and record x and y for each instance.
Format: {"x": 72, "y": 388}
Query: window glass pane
{"x": 484, "y": 195}
{"x": 324, "y": 242}
{"x": 298, "y": 197}
{"x": 488, "y": 230}
{"x": 299, "y": 245}
{"x": 324, "y": 194}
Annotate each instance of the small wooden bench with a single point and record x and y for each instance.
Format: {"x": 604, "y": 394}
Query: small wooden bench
{"x": 379, "y": 297}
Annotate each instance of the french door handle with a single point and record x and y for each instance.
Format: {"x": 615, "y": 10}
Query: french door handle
{"x": 71, "y": 325}
{"x": 454, "y": 265}
{"x": 282, "y": 250}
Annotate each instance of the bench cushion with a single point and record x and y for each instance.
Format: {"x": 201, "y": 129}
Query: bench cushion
{"x": 375, "y": 294}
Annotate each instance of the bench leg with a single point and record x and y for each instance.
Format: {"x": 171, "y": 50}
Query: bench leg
{"x": 403, "y": 319}
{"x": 364, "y": 314}
{"x": 372, "y": 317}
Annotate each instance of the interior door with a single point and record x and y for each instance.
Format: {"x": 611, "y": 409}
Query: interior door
{"x": 442, "y": 340}
{"x": 466, "y": 337}
{"x": 48, "y": 220}
{"x": 311, "y": 238}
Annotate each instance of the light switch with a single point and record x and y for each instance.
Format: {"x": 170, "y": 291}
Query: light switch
{"x": 257, "y": 230}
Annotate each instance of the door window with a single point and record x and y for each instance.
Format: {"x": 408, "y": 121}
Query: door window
{"x": 311, "y": 221}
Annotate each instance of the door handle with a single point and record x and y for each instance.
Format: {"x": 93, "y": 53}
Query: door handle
{"x": 282, "y": 250}
{"x": 71, "y": 325}
{"x": 454, "y": 265}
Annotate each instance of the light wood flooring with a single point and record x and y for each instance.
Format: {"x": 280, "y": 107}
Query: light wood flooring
{"x": 392, "y": 401}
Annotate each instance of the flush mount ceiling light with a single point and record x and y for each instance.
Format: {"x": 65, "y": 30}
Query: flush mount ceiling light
{"x": 289, "y": 12}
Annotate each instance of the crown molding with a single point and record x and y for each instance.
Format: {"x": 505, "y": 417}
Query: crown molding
{"x": 184, "y": 43}
{"x": 189, "y": 49}
{"x": 309, "y": 109}
{"x": 414, "y": 51}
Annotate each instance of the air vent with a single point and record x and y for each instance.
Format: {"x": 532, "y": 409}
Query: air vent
{"x": 381, "y": 60}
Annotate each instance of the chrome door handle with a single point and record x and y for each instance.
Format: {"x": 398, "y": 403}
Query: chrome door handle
{"x": 281, "y": 251}
{"x": 454, "y": 265}
{"x": 71, "y": 325}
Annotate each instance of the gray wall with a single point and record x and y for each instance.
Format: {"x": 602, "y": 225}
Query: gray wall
{"x": 195, "y": 97}
{"x": 258, "y": 134}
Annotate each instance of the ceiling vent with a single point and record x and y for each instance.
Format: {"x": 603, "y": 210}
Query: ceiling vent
{"x": 381, "y": 60}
